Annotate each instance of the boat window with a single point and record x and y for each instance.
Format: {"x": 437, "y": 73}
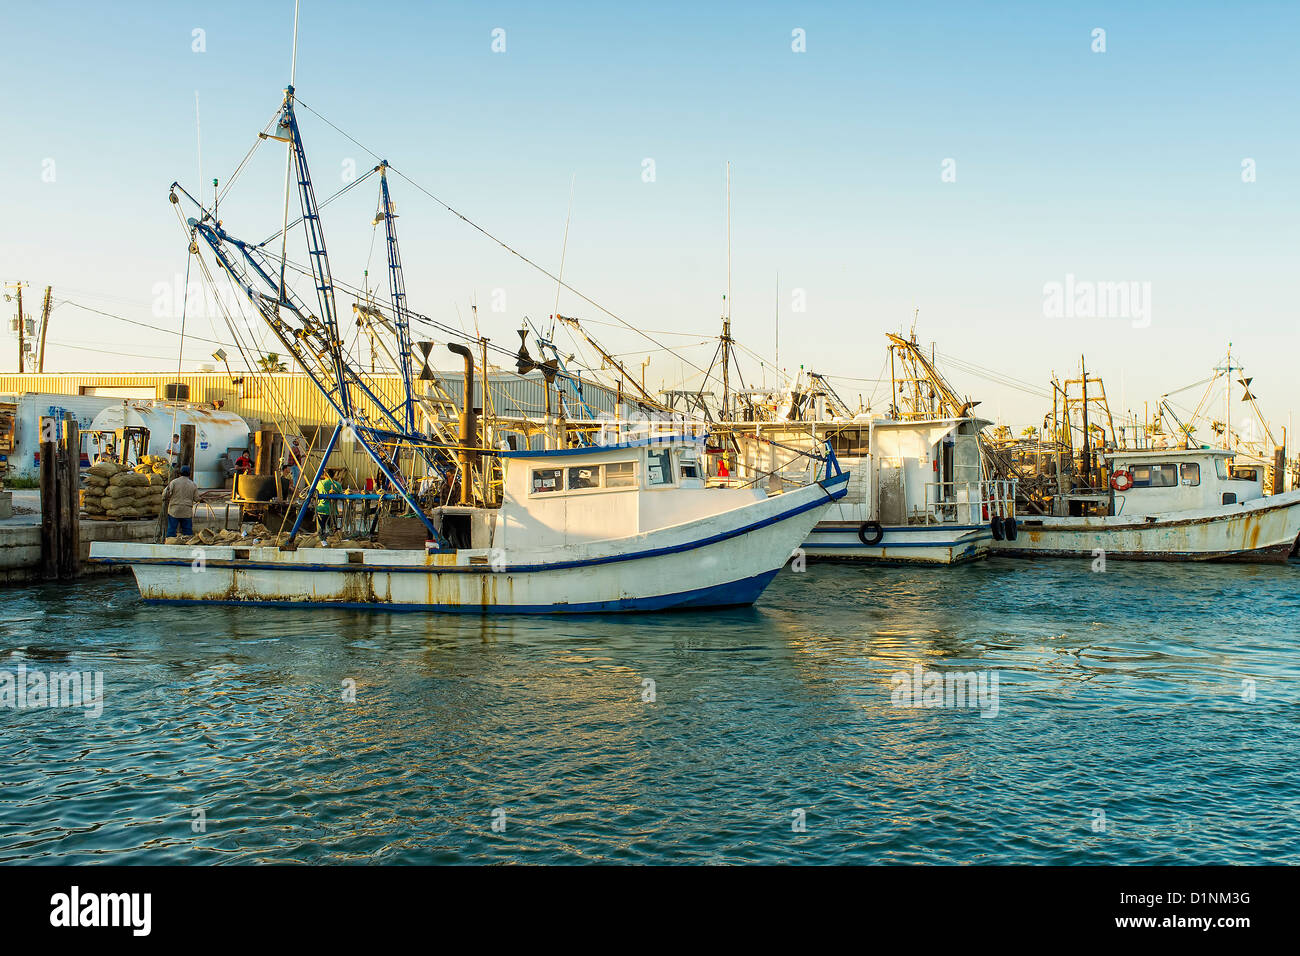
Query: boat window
{"x": 1244, "y": 474}
{"x": 620, "y": 474}
{"x": 1221, "y": 467}
{"x": 690, "y": 469}
{"x": 850, "y": 442}
{"x": 546, "y": 480}
{"x": 1191, "y": 473}
{"x": 659, "y": 468}
{"x": 1155, "y": 476}
{"x": 584, "y": 476}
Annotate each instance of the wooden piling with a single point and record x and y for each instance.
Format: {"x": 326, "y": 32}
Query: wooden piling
{"x": 70, "y": 501}
{"x": 49, "y": 501}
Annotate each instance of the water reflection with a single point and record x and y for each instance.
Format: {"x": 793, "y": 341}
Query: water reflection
{"x": 748, "y": 716}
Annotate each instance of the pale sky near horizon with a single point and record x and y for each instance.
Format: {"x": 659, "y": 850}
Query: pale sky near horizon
{"x": 949, "y": 158}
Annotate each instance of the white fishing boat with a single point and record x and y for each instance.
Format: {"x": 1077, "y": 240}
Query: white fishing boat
{"x": 918, "y": 493}
{"x": 625, "y": 527}
{"x": 1167, "y": 505}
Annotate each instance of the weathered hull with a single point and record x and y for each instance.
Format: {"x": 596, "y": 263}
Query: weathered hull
{"x": 1262, "y": 530}
{"x": 912, "y": 544}
{"x": 722, "y": 561}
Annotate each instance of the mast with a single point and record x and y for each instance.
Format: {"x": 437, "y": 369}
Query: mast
{"x": 1087, "y": 439}
{"x": 1227, "y": 399}
{"x": 397, "y": 292}
{"x": 726, "y": 317}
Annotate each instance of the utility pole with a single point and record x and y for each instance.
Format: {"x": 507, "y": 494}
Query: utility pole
{"x": 45, "y": 324}
{"x": 22, "y": 323}
{"x": 22, "y": 341}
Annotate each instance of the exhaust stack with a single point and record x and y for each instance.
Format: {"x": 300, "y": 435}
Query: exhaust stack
{"x": 468, "y": 426}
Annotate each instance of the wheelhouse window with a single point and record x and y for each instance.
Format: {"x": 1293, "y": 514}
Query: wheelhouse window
{"x": 1221, "y": 468}
{"x": 1155, "y": 476}
{"x": 620, "y": 474}
{"x": 850, "y": 442}
{"x": 1241, "y": 473}
{"x": 659, "y": 468}
{"x": 1190, "y": 472}
{"x": 547, "y": 480}
{"x": 584, "y": 476}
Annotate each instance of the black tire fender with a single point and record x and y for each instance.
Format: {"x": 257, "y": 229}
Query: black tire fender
{"x": 871, "y": 533}
{"x": 1010, "y": 528}
{"x": 998, "y": 529}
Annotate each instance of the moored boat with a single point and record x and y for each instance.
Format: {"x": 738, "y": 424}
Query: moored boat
{"x": 1168, "y": 505}
{"x": 625, "y": 527}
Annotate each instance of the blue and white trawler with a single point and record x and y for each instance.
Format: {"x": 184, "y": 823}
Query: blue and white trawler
{"x": 624, "y": 527}
{"x": 618, "y": 526}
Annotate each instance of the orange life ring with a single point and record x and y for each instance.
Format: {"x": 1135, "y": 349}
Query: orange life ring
{"x": 1121, "y": 480}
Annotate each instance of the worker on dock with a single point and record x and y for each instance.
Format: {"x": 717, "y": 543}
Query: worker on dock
{"x": 326, "y": 513}
{"x": 179, "y": 497}
{"x": 244, "y": 464}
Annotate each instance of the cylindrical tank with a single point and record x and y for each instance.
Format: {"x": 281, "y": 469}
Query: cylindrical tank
{"x": 216, "y": 432}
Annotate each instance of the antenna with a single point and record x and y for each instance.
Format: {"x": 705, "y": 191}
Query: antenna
{"x": 728, "y": 242}
{"x": 198, "y": 136}
{"x": 288, "y": 154}
{"x": 564, "y": 251}
{"x": 726, "y": 316}
{"x": 293, "y": 64}
{"x": 777, "y": 322}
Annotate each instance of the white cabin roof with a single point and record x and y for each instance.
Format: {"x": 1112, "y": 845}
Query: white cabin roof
{"x": 588, "y": 451}
{"x": 1164, "y": 454}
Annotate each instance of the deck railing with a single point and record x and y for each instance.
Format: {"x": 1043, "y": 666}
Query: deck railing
{"x": 970, "y": 502}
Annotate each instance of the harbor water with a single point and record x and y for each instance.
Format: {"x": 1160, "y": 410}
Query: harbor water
{"x": 1146, "y": 714}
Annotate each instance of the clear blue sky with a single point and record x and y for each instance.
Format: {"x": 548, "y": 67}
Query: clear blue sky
{"x": 1117, "y": 166}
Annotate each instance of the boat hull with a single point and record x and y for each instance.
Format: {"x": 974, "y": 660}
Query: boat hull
{"x": 725, "y": 560}
{"x": 1263, "y": 530}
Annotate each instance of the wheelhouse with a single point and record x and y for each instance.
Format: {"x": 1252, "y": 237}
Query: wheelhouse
{"x": 1180, "y": 479}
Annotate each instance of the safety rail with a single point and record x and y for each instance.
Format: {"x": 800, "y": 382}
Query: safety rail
{"x": 970, "y": 502}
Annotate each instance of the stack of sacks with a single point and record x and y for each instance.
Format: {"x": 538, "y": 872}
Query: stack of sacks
{"x": 133, "y": 494}
{"x": 94, "y": 484}
{"x": 155, "y": 465}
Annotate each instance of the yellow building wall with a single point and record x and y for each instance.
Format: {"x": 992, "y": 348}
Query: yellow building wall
{"x": 283, "y": 400}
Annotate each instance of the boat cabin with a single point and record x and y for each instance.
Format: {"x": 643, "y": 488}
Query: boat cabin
{"x": 926, "y": 471}
{"x": 1178, "y": 479}
{"x": 595, "y": 493}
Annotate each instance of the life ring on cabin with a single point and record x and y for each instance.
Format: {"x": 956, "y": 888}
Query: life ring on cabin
{"x": 1010, "y": 528}
{"x": 998, "y": 529}
{"x": 1121, "y": 480}
{"x": 871, "y": 533}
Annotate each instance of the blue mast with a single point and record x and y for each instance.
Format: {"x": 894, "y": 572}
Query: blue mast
{"x": 397, "y": 291}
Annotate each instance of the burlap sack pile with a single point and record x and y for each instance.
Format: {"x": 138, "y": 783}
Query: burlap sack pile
{"x": 112, "y": 491}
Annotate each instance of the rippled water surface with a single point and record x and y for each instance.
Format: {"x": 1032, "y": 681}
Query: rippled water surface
{"x": 1118, "y": 694}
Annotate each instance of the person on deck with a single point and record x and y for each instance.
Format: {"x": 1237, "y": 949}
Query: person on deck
{"x": 179, "y": 497}
{"x": 326, "y": 510}
{"x": 244, "y": 464}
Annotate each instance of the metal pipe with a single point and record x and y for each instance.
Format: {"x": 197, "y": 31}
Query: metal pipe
{"x": 468, "y": 426}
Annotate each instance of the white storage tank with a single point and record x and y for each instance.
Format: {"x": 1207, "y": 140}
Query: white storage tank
{"x": 25, "y": 461}
{"x": 216, "y": 432}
